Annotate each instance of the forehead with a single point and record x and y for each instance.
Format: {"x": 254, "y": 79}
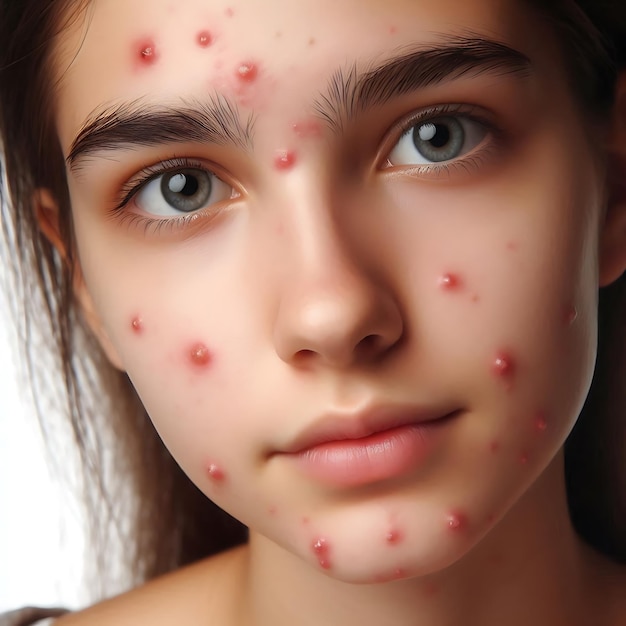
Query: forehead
{"x": 161, "y": 50}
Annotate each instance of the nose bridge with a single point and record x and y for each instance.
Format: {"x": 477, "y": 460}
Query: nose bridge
{"x": 334, "y": 307}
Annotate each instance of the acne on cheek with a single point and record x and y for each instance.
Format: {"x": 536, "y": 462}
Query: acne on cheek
{"x": 215, "y": 473}
{"x": 199, "y": 356}
{"x": 503, "y": 368}
{"x": 136, "y": 325}
{"x": 450, "y": 282}
{"x": 456, "y": 521}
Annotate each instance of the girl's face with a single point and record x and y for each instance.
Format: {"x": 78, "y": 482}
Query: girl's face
{"x": 346, "y": 252}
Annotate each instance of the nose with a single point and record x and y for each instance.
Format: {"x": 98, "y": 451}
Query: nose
{"x": 334, "y": 309}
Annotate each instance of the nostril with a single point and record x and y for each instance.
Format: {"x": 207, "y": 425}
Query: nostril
{"x": 369, "y": 346}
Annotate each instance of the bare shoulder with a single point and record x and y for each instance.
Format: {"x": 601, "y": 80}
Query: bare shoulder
{"x": 205, "y": 592}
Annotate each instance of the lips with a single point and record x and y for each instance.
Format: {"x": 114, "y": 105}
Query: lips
{"x": 368, "y": 447}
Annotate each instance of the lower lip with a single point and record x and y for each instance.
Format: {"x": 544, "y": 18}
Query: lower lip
{"x": 381, "y": 456}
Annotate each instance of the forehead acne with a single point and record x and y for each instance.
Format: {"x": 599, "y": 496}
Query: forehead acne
{"x": 145, "y": 51}
{"x": 247, "y": 72}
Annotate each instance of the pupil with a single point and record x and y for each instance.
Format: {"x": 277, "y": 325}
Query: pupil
{"x": 185, "y": 185}
{"x": 441, "y": 137}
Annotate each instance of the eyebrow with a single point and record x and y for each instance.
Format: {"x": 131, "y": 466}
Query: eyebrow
{"x": 351, "y": 92}
{"x": 137, "y": 124}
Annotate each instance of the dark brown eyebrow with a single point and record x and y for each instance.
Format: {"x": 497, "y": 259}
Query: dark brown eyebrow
{"x": 351, "y": 91}
{"x": 137, "y": 124}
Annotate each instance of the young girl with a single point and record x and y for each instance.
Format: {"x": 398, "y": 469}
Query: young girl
{"x": 348, "y": 256}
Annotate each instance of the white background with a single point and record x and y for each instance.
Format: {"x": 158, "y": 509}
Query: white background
{"x": 41, "y": 541}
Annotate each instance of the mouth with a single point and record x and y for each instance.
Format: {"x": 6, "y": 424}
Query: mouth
{"x": 370, "y": 447}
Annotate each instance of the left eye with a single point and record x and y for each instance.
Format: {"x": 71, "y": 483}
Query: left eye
{"x": 181, "y": 191}
{"x": 437, "y": 140}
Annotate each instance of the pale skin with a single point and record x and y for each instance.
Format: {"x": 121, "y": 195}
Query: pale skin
{"x": 334, "y": 271}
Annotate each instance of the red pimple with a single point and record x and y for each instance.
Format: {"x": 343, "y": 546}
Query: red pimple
{"x": 394, "y": 537}
{"x": 147, "y": 52}
{"x": 306, "y": 521}
{"x": 523, "y": 458}
{"x": 512, "y": 246}
{"x": 284, "y": 159}
{"x": 199, "y": 355}
{"x": 272, "y": 510}
{"x": 204, "y": 39}
{"x": 456, "y": 521}
{"x": 503, "y": 365}
{"x": 247, "y": 72}
{"x": 393, "y": 30}
{"x": 321, "y": 549}
{"x": 494, "y": 447}
{"x": 215, "y": 473}
{"x": 137, "y": 325}
{"x": 229, "y": 12}
{"x": 450, "y": 282}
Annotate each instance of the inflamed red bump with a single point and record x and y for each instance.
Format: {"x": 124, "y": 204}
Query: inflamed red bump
{"x": 136, "y": 325}
{"x": 450, "y": 282}
{"x": 394, "y": 537}
{"x": 284, "y": 160}
{"x": 322, "y": 549}
{"x": 503, "y": 365}
{"x": 199, "y": 355}
{"x": 523, "y": 458}
{"x": 147, "y": 52}
{"x": 247, "y": 72}
{"x": 456, "y": 521}
{"x": 215, "y": 473}
{"x": 204, "y": 39}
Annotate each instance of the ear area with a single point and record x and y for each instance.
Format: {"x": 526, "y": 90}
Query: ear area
{"x": 47, "y": 215}
{"x": 613, "y": 231}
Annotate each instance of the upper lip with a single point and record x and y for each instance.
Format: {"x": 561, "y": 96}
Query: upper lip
{"x": 349, "y": 426}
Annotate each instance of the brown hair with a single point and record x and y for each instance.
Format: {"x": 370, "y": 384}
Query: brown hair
{"x": 172, "y": 523}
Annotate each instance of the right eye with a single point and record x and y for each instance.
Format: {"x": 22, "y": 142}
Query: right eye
{"x": 183, "y": 190}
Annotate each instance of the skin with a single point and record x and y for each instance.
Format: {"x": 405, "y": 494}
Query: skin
{"x": 327, "y": 279}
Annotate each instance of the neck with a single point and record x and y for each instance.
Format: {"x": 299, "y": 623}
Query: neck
{"x": 531, "y": 569}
